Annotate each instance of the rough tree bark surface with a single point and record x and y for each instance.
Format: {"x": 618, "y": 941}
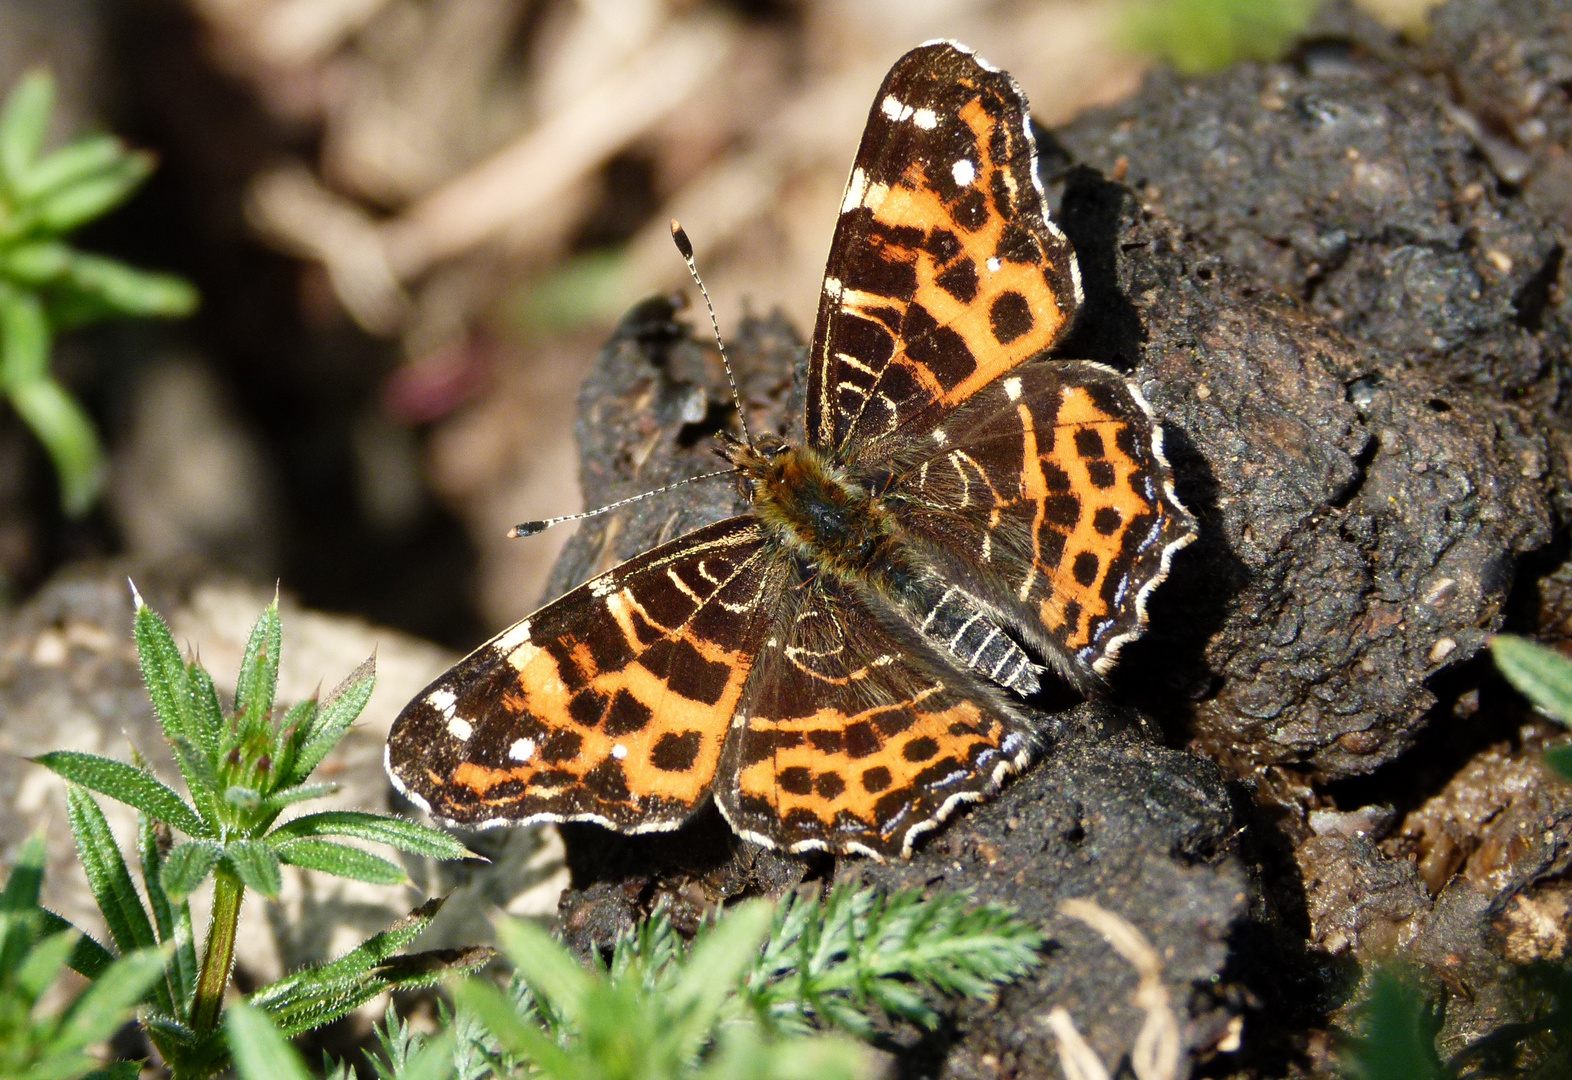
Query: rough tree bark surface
{"x": 1338, "y": 281}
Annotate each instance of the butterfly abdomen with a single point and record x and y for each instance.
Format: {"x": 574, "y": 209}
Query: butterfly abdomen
{"x": 840, "y": 527}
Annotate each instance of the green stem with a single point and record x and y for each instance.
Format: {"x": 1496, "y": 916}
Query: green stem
{"x": 219, "y": 957}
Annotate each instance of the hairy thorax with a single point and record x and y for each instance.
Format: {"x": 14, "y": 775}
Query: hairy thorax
{"x": 832, "y": 520}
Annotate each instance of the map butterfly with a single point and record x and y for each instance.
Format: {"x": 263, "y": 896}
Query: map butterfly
{"x": 844, "y": 664}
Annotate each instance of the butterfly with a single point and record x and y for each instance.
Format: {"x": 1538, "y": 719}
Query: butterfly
{"x": 846, "y": 663}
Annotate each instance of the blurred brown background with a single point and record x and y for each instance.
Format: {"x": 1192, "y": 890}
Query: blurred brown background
{"x": 412, "y": 222}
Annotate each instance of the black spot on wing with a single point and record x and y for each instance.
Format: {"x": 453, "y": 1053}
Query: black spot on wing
{"x": 676, "y": 752}
{"x": 937, "y": 348}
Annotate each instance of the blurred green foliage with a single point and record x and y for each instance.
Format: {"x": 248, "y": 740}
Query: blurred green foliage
{"x": 47, "y": 286}
{"x": 1544, "y": 676}
{"x": 1198, "y": 36}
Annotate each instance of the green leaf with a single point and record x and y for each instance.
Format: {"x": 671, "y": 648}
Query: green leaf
{"x": 259, "y": 1050}
{"x": 1559, "y": 758}
{"x": 334, "y": 717}
{"x": 372, "y": 952}
{"x": 171, "y": 919}
{"x": 26, "y": 882}
{"x": 37, "y": 263}
{"x": 319, "y": 995}
{"x": 89, "y": 958}
{"x": 206, "y": 716}
{"x": 188, "y": 865}
{"x": 40, "y": 967}
{"x": 129, "y": 785}
{"x": 24, "y": 123}
{"x": 164, "y": 673}
{"x": 256, "y": 865}
{"x": 68, "y": 435}
{"x": 517, "y": 1035}
{"x": 545, "y": 964}
{"x": 280, "y": 800}
{"x": 117, "y": 1070}
{"x": 107, "y": 875}
{"x": 132, "y": 292}
{"x": 103, "y": 1007}
{"x": 341, "y": 861}
{"x": 1397, "y": 1024}
{"x": 258, "y": 679}
{"x": 714, "y": 968}
{"x": 1539, "y": 673}
{"x": 396, "y": 832}
{"x": 74, "y": 205}
{"x": 1197, "y": 36}
{"x": 24, "y": 339}
{"x": 72, "y": 164}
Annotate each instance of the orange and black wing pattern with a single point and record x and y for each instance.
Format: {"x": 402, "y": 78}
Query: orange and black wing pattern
{"x": 856, "y": 737}
{"x": 945, "y": 271}
{"x": 610, "y": 704}
{"x": 1048, "y": 494}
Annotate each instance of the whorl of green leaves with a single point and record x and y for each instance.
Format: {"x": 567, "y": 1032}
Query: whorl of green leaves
{"x": 242, "y": 767}
{"x": 47, "y": 286}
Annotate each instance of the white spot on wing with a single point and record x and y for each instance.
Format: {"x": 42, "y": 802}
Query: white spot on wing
{"x": 993, "y": 263}
{"x": 619, "y": 751}
{"x": 926, "y": 119}
{"x": 512, "y": 638}
{"x": 603, "y": 586}
{"x": 894, "y": 109}
{"x": 940, "y": 437}
{"x": 832, "y": 287}
{"x": 1012, "y": 388}
{"x": 460, "y": 728}
{"x": 522, "y": 749}
{"x": 856, "y": 187}
{"x": 442, "y": 701}
{"x": 964, "y": 172}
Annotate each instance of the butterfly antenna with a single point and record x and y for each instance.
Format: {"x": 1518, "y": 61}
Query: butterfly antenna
{"x": 685, "y": 248}
{"x": 530, "y": 528}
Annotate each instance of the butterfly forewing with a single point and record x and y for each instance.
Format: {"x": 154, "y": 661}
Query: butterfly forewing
{"x": 856, "y": 736}
{"x": 945, "y": 271}
{"x": 610, "y": 704}
{"x": 1048, "y": 493}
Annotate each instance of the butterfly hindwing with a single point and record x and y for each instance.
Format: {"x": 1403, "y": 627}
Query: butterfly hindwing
{"x": 945, "y": 271}
{"x": 856, "y": 737}
{"x": 610, "y": 704}
{"x": 1048, "y": 494}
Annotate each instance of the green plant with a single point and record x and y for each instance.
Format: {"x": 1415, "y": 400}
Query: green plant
{"x": 35, "y": 946}
{"x": 749, "y": 996}
{"x": 47, "y": 286}
{"x": 1198, "y": 36}
{"x": 1395, "y": 1027}
{"x": 242, "y": 770}
{"x": 1544, "y": 676}
{"x": 744, "y": 1001}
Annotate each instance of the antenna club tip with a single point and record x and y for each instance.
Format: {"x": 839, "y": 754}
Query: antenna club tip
{"x": 680, "y": 235}
{"x": 526, "y": 528}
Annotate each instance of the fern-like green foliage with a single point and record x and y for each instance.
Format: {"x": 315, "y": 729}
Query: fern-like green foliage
{"x": 1544, "y": 676}
{"x": 842, "y": 960}
{"x": 243, "y": 769}
{"x": 749, "y": 999}
{"x": 47, "y": 286}
{"x": 1198, "y": 36}
{"x": 36, "y": 946}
